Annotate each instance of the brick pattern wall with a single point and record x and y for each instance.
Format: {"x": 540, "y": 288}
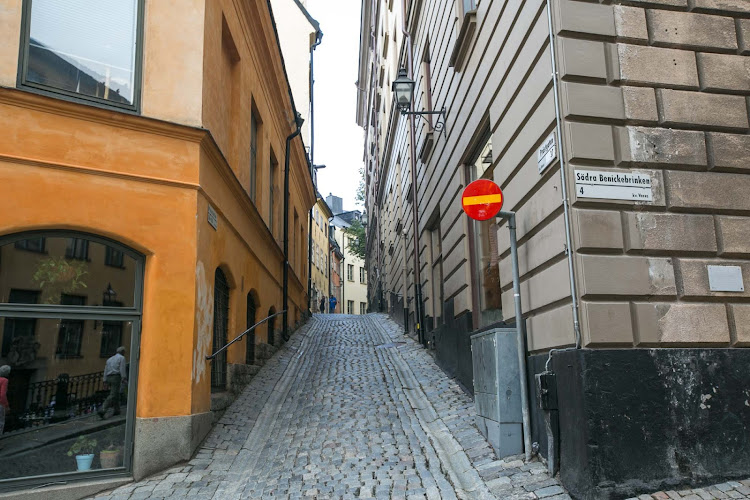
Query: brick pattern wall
{"x": 660, "y": 87}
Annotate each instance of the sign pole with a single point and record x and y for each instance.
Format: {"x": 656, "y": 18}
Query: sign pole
{"x": 511, "y": 217}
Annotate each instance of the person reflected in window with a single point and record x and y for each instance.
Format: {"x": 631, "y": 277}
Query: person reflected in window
{"x": 4, "y": 405}
{"x": 322, "y": 305}
{"x": 115, "y": 372}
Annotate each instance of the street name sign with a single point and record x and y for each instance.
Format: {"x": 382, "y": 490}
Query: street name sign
{"x": 546, "y": 153}
{"x": 482, "y": 199}
{"x": 213, "y": 218}
{"x": 609, "y": 185}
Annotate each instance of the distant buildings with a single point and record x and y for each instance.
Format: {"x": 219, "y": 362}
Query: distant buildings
{"x": 353, "y": 294}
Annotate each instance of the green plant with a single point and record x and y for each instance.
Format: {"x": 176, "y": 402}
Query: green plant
{"x": 82, "y": 446}
{"x": 357, "y": 238}
{"x": 58, "y": 275}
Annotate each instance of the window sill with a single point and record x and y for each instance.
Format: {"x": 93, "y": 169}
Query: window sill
{"x": 72, "y": 97}
{"x": 427, "y": 145}
{"x": 38, "y": 252}
{"x": 463, "y": 42}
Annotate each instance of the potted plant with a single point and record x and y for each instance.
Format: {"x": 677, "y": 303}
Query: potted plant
{"x": 83, "y": 448}
{"x": 111, "y": 456}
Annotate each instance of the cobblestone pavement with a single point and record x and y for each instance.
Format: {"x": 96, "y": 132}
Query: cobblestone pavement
{"x": 348, "y": 408}
{"x": 730, "y": 489}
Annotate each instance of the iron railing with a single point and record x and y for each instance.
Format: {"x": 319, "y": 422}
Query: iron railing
{"x": 62, "y": 398}
{"x": 239, "y": 337}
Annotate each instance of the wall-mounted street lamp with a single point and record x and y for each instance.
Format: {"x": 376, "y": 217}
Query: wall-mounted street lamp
{"x": 403, "y": 88}
{"x": 109, "y": 296}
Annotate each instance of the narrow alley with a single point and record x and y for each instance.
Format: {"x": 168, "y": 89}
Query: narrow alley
{"x": 349, "y": 408}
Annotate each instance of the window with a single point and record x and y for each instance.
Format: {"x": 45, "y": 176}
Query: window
{"x": 436, "y": 276}
{"x": 272, "y": 189}
{"x": 32, "y": 245}
{"x": 362, "y": 275}
{"x": 253, "y": 154}
{"x": 427, "y": 83}
{"x": 70, "y": 333}
{"x": 58, "y": 352}
{"x": 362, "y": 308}
{"x": 111, "y": 338}
{"x": 350, "y": 272}
{"x": 465, "y": 6}
{"x": 18, "y": 333}
{"x": 349, "y": 307}
{"x": 486, "y": 259}
{"x": 87, "y": 49}
{"x": 78, "y": 248}
{"x": 113, "y": 257}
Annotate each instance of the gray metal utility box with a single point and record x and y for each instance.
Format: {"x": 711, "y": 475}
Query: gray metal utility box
{"x": 497, "y": 389}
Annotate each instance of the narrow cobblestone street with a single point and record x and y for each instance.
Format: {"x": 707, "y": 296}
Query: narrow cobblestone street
{"x": 352, "y": 408}
{"x": 349, "y": 408}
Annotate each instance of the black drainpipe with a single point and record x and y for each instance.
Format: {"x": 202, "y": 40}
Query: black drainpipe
{"x": 313, "y": 174}
{"x": 285, "y": 307}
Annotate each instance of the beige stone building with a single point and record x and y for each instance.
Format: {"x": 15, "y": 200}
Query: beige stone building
{"x": 618, "y": 132}
{"x": 354, "y": 273}
{"x": 319, "y": 271}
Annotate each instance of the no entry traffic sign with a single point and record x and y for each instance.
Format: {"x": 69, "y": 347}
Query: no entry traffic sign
{"x": 482, "y": 199}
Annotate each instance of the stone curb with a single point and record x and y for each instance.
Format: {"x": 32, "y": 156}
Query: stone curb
{"x": 452, "y": 457}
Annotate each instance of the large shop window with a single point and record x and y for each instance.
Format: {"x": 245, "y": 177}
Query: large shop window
{"x": 486, "y": 258}
{"x": 88, "y": 49}
{"x": 70, "y": 309}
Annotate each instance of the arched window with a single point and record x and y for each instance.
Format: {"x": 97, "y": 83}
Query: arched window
{"x": 221, "y": 327}
{"x": 70, "y": 312}
{"x": 252, "y": 306}
{"x": 271, "y": 323}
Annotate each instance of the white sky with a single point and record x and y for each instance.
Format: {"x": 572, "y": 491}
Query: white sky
{"x": 338, "y": 138}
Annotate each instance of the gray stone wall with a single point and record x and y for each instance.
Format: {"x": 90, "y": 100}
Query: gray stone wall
{"x": 659, "y": 87}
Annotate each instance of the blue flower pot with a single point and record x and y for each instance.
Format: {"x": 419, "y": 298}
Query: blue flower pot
{"x": 84, "y": 461}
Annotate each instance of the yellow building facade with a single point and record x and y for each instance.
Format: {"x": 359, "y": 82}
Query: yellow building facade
{"x": 319, "y": 271}
{"x": 142, "y": 206}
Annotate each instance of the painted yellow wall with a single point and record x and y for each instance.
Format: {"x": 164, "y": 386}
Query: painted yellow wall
{"x": 147, "y": 183}
{"x": 10, "y": 27}
{"x": 48, "y": 186}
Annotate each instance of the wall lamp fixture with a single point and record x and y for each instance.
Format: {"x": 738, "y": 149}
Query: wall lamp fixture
{"x": 403, "y": 88}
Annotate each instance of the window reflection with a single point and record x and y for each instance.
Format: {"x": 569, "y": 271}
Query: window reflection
{"x": 84, "y": 47}
{"x": 69, "y": 271}
{"x": 487, "y": 276}
{"x": 53, "y": 399}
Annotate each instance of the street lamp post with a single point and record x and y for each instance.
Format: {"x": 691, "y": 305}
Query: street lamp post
{"x": 403, "y": 89}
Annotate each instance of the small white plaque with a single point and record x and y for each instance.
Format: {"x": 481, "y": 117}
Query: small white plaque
{"x": 547, "y": 153}
{"x": 213, "y": 219}
{"x": 725, "y": 279}
{"x": 609, "y": 185}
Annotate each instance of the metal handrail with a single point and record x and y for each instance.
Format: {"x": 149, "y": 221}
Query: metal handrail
{"x": 209, "y": 358}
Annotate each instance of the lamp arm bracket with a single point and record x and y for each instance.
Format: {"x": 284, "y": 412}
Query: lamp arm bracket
{"x": 439, "y": 125}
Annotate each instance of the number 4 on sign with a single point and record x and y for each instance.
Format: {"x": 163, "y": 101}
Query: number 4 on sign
{"x": 581, "y": 190}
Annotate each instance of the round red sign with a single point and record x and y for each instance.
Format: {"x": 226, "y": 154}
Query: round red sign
{"x": 482, "y": 199}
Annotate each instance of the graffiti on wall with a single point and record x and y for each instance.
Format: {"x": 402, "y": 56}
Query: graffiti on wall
{"x": 204, "y": 312}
